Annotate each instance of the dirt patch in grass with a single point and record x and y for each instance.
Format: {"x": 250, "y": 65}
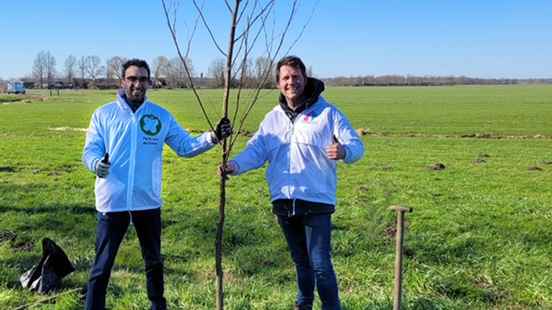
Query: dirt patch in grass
{"x": 6, "y": 235}
{"x": 481, "y": 158}
{"x": 8, "y": 100}
{"x": 7, "y": 169}
{"x": 437, "y": 167}
{"x": 21, "y": 99}
{"x": 61, "y": 170}
{"x": 362, "y": 131}
{"x": 23, "y": 246}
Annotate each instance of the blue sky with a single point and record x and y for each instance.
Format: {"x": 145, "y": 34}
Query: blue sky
{"x": 502, "y": 39}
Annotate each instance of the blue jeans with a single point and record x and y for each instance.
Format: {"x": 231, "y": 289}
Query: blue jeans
{"x": 309, "y": 241}
{"x": 110, "y": 230}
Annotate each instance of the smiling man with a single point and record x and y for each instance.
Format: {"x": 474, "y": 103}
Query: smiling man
{"x": 133, "y": 131}
{"x": 302, "y": 138}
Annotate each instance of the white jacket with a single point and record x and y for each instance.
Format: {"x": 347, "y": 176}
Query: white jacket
{"x": 298, "y": 166}
{"x": 135, "y": 142}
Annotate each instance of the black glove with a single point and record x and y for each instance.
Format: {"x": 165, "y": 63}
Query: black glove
{"x": 102, "y": 167}
{"x": 224, "y": 129}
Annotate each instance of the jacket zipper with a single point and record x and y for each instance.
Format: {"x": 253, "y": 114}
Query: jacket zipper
{"x": 289, "y": 158}
{"x": 132, "y": 165}
{"x": 289, "y": 167}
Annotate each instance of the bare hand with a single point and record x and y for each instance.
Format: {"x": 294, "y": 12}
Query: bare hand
{"x": 335, "y": 151}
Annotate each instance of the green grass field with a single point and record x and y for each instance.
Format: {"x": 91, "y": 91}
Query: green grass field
{"x": 479, "y": 236}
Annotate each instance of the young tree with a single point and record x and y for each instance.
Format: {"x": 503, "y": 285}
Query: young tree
{"x": 250, "y": 23}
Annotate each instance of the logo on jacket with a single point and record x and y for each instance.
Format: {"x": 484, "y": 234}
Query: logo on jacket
{"x": 150, "y": 124}
{"x": 308, "y": 118}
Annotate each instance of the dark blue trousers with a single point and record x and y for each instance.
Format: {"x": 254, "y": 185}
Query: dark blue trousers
{"x": 110, "y": 230}
{"x": 309, "y": 240}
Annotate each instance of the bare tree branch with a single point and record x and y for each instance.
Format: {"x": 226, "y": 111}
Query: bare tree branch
{"x": 303, "y": 28}
{"x": 196, "y": 23}
{"x": 189, "y": 75}
{"x": 266, "y": 9}
{"x": 269, "y": 40}
{"x": 242, "y": 77}
{"x": 200, "y": 12}
{"x": 243, "y": 10}
{"x": 257, "y": 91}
{"x": 228, "y": 6}
{"x": 247, "y": 30}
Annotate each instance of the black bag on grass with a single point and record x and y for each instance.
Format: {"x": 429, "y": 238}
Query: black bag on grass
{"x": 47, "y": 275}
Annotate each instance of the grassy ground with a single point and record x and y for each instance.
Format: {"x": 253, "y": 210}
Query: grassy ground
{"x": 479, "y": 236}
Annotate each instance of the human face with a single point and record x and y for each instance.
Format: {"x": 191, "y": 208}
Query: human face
{"x": 135, "y": 84}
{"x": 292, "y": 85}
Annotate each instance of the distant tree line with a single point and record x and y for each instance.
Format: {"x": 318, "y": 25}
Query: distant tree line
{"x": 91, "y": 72}
{"x": 411, "y": 80}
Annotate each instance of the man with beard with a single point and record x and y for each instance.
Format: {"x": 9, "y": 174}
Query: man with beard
{"x": 302, "y": 138}
{"x": 124, "y": 148}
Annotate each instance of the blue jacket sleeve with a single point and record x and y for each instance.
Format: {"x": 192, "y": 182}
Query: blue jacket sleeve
{"x": 348, "y": 137}
{"x": 94, "y": 147}
{"x": 180, "y": 141}
{"x": 254, "y": 155}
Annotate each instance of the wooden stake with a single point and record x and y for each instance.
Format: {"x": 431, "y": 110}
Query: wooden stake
{"x": 398, "y": 255}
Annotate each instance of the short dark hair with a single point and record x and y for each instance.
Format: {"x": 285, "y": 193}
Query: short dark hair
{"x": 292, "y": 61}
{"x": 138, "y": 63}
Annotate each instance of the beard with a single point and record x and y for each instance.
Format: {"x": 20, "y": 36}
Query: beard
{"x": 136, "y": 96}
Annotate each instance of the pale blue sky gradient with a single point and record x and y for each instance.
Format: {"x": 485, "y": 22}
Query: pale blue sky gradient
{"x": 489, "y": 39}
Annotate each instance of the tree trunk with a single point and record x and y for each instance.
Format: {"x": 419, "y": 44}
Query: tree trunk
{"x": 222, "y": 200}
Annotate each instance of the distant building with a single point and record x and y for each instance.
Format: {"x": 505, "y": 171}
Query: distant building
{"x": 15, "y": 87}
